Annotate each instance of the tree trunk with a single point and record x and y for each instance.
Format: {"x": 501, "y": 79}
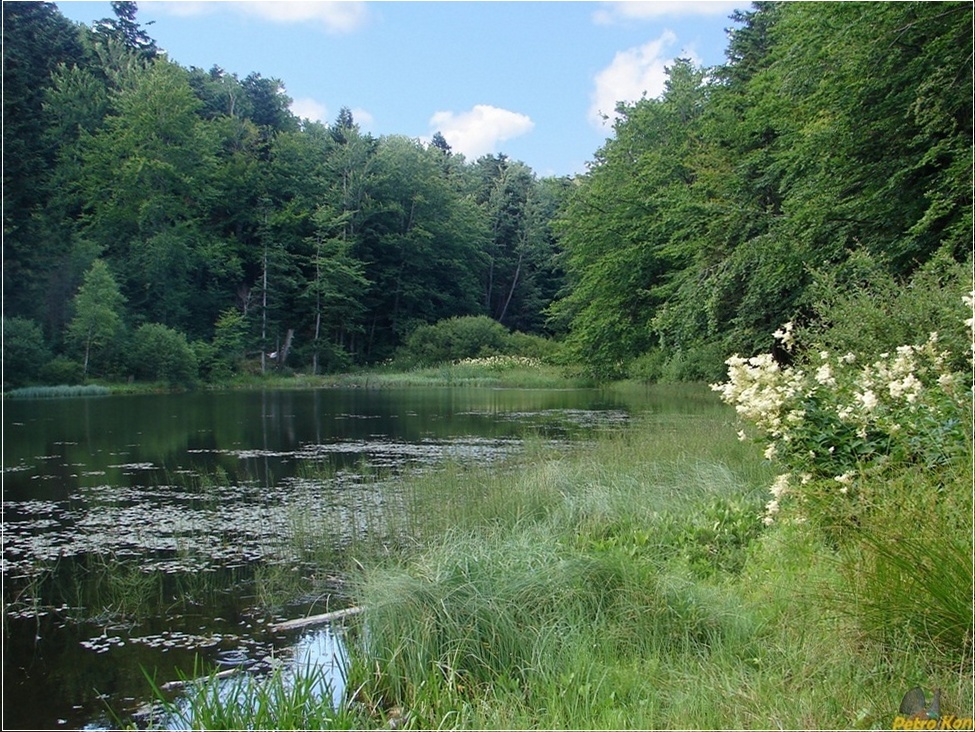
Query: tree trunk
{"x": 283, "y": 353}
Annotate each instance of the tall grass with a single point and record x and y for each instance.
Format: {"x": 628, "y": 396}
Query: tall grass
{"x": 629, "y": 584}
{"x": 58, "y": 392}
{"x": 279, "y": 700}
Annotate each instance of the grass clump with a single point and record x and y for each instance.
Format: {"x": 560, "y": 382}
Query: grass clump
{"x": 279, "y": 700}
{"x": 58, "y": 392}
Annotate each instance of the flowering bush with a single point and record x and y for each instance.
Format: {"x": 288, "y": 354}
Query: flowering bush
{"x": 836, "y": 421}
{"x": 501, "y": 363}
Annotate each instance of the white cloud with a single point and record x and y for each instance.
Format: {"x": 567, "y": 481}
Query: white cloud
{"x": 478, "y": 131}
{"x": 632, "y": 74}
{"x": 363, "y": 118}
{"x": 617, "y": 12}
{"x": 182, "y": 9}
{"x": 308, "y": 108}
{"x": 339, "y": 16}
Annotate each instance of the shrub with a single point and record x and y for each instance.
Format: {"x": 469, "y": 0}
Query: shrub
{"x": 62, "y": 370}
{"x": 454, "y": 339}
{"x": 534, "y": 346}
{"x": 841, "y": 422}
{"x": 161, "y": 353}
{"x": 24, "y": 351}
{"x": 862, "y": 309}
{"x": 872, "y": 450}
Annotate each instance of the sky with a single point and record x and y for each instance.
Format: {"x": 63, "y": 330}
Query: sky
{"x": 537, "y": 81}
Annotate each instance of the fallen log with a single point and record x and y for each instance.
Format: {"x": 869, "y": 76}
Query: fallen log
{"x": 171, "y": 685}
{"x": 317, "y": 619}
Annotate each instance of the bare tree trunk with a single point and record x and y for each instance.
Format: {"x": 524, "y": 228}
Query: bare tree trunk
{"x": 264, "y": 310}
{"x": 283, "y": 353}
{"x": 514, "y": 283}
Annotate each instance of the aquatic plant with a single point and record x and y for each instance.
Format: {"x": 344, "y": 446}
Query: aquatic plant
{"x": 58, "y": 392}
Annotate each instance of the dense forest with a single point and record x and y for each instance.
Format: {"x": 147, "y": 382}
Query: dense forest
{"x": 173, "y": 223}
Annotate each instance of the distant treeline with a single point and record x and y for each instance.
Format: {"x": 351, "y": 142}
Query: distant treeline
{"x": 172, "y": 223}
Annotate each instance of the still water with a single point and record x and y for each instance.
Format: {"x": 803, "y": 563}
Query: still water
{"x": 141, "y": 534}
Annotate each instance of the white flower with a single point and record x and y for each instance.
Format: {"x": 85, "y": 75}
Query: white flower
{"x": 780, "y": 485}
{"x": 771, "y": 508}
{"x": 784, "y": 336}
{"x": 848, "y": 358}
{"x": 868, "y": 399}
{"x": 742, "y": 436}
{"x": 824, "y": 375}
{"x": 845, "y": 479}
{"x": 770, "y": 451}
{"x": 909, "y": 387}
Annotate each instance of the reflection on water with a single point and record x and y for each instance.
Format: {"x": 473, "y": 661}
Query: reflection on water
{"x": 136, "y": 528}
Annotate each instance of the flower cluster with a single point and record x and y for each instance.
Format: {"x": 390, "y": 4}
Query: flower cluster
{"x": 501, "y": 363}
{"x": 836, "y": 420}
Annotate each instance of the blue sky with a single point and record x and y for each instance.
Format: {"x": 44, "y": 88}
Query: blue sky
{"x": 528, "y": 79}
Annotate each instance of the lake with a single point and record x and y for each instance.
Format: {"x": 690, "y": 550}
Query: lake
{"x": 153, "y": 532}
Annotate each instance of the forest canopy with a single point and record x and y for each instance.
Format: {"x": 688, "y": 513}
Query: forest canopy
{"x": 154, "y": 208}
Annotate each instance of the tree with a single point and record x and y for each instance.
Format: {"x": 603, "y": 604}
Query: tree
{"x": 125, "y": 29}
{"x": 162, "y": 353}
{"x": 269, "y": 104}
{"x": 24, "y": 351}
{"x": 629, "y": 227}
{"x": 97, "y": 317}
{"x": 143, "y": 182}
{"x": 336, "y": 288}
{"x": 421, "y": 243}
{"x": 37, "y": 40}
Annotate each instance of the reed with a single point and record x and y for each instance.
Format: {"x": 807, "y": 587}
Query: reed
{"x": 279, "y": 700}
{"x": 58, "y": 392}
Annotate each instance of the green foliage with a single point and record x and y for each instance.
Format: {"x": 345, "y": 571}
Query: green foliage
{"x": 62, "y": 370}
{"x": 744, "y": 196}
{"x": 279, "y": 701}
{"x": 97, "y": 320}
{"x": 909, "y": 572}
{"x": 24, "y": 351}
{"x": 454, "y": 339}
{"x": 862, "y": 308}
{"x": 700, "y": 226}
{"x": 228, "y": 345}
{"x": 159, "y": 353}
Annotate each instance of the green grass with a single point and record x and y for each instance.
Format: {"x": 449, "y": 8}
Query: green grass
{"x": 275, "y": 701}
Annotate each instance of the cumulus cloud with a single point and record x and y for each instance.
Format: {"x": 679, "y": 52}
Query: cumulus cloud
{"x": 617, "y": 12}
{"x": 478, "y": 131}
{"x": 632, "y": 74}
{"x": 339, "y": 16}
{"x": 363, "y": 118}
{"x": 308, "y": 108}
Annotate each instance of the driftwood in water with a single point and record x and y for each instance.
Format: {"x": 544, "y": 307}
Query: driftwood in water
{"x": 317, "y": 619}
{"x": 170, "y": 685}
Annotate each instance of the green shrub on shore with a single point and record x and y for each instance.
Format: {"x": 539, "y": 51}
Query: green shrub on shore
{"x": 877, "y": 457}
